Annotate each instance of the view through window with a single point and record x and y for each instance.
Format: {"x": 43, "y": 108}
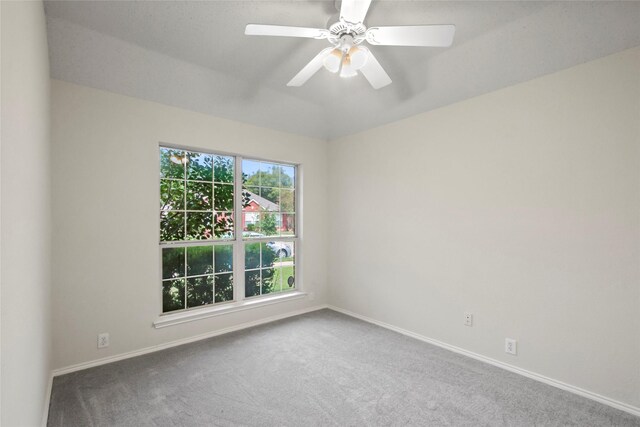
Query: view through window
{"x": 202, "y": 198}
{"x": 268, "y": 212}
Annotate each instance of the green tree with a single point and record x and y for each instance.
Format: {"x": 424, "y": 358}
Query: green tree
{"x": 269, "y": 182}
{"x": 268, "y": 224}
{"x": 191, "y": 176}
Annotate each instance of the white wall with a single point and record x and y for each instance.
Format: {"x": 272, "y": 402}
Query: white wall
{"x": 521, "y": 206}
{"x": 26, "y": 225}
{"x": 105, "y": 209}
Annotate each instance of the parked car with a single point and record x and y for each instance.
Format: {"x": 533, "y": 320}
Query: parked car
{"x": 282, "y": 249}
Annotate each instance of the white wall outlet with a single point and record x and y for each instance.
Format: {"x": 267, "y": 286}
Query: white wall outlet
{"x": 103, "y": 340}
{"x": 468, "y": 319}
{"x": 312, "y": 296}
{"x": 510, "y": 346}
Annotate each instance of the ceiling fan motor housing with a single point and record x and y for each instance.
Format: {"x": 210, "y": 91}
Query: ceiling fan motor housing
{"x": 341, "y": 33}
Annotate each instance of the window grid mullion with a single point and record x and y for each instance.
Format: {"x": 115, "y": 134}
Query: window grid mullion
{"x": 260, "y": 265}
{"x": 238, "y": 263}
{"x": 186, "y": 281}
{"x": 184, "y": 206}
{"x": 213, "y": 274}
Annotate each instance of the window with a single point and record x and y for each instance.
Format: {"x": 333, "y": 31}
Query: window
{"x": 268, "y": 212}
{"x": 206, "y": 259}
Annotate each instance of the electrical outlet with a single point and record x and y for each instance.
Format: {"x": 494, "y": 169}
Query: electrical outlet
{"x": 468, "y": 319}
{"x": 510, "y": 346}
{"x": 103, "y": 340}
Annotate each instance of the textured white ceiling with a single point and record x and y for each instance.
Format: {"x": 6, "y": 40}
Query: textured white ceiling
{"x": 195, "y": 55}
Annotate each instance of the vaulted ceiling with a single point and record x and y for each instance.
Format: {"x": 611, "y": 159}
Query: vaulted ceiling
{"x": 194, "y": 55}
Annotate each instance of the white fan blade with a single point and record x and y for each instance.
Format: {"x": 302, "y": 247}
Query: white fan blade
{"x": 285, "y": 31}
{"x": 373, "y": 71}
{"x": 311, "y": 68}
{"x": 413, "y": 35}
{"x": 354, "y": 11}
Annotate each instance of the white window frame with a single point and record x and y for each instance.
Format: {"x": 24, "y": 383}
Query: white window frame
{"x": 240, "y": 302}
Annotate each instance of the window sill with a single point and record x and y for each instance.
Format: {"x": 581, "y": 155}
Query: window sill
{"x": 203, "y": 313}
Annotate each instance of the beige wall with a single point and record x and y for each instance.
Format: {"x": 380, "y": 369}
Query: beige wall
{"x": 105, "y": 209}
{"x": 521, "y": 206}
{"x": 25, "y": 215}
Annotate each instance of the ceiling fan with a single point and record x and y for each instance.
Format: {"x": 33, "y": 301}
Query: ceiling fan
{"x": 346, "y": 56}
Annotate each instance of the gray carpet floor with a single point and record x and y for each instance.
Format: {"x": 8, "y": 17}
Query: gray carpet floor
{"x": 318, "y": 369}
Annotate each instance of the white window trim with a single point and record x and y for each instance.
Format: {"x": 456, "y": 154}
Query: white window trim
{"x": 225, "y": 308}
{"x": 240, "y": 302}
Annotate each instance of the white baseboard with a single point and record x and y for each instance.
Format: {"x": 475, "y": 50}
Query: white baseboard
{"x": 550, "y": 381}
{"x": 146, "y": 350}
{"x": 47, "y": 401}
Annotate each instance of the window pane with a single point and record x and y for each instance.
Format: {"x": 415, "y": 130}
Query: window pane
{"x": 269, "y": 224}
{"x": 271, "y": 198}
{"x": 286, "y": 275}
{"x": 250, "y": 197}
{"x": 199, "y": 225}
{"x": 288, "y": 224}
{"x": 268, "y": 253}
{"x": 287, "y": 201}
{"x": 172, "y": 295}
{"x": 192, "y": 189}
{"x": 223, "y": 197}
{"x": 251, "y": 255}
{"x": 197, "y": 203}
{"x": 171, "y": 226}
{"x": 223, "y": 225}
{"x": 277, "y": 280}
{"x": 223, "y": 169}
{"x": 285, "y": 266}
{"x": 268, "y": 285}
{"x": 199, "y": 260}
{"x": 172, "y": 263}
{"x": 281, "y": 249}
{"x": 171, "y": 195}
{"x": 251, "y": 224}
{"x": 199, "y": 291}
{"x": 172, "y": 163}
{"x": 278, "y": 273}
{"x": 250, "y": 172}
{"x": 288, "y": 177}
{"x": 224, "y": 287}
{"x": 199, "y": 196}
{"x": 269, "y": 175}
{"x": 252, "y": 283}
{"x": 223, "y": 258}
{"x": 255, "y": 191}
{"x": 199, "y": 166}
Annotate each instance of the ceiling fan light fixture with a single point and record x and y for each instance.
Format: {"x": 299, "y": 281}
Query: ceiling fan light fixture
{"x": 358, "y": 57}
{"x": 348, "y": 72}
{"x": 347, "y": 69}
{"x": 332, "y": 62}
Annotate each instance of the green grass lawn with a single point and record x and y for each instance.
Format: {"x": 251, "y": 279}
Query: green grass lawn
{"x": 284, "y": 273}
